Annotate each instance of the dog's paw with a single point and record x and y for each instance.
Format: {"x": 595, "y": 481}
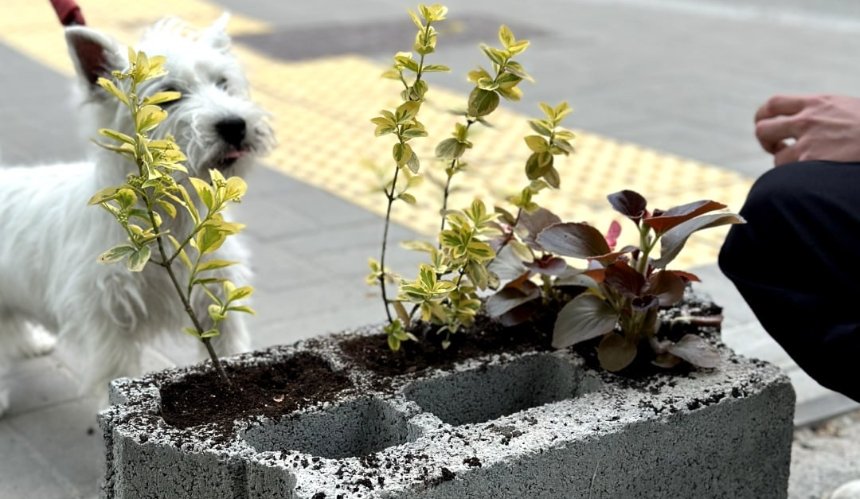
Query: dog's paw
{"x": 39, "y": 343}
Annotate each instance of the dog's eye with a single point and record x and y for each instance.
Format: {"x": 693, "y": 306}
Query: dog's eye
{"x": 222, "y": 83}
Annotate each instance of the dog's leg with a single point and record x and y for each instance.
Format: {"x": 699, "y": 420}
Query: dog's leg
{"x": 22, "y": 339}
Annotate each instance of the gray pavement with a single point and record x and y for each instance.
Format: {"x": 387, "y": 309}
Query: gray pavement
{"x": 682, "y": 76}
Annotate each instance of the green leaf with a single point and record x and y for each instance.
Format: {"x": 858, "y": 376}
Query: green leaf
{"x": 436, "y": 68}
{"x": 214, "y": 264}
{"x": 615, "y": 352}
{"x": 211, "y": 333}
{"x": 162, "y": 97}
{"x": 191, "y": 331}
{"x": 103, "y": 195}
{"x": 408, "y": 198}
{"x": 167, "y": 206}
{"x": 149, "y": 117}
{"x": 204, "y": 191}
{"x": 239, "y": 293}
{"x": 116, "y": 254}
{"x": 552, "y": 177}
{"x": 482, "y": 102}
{"x": 242, "y": 308}
{"x": 416, "y": 20}
{"x": 393, "y": 343}
{"x": 506, "y": 37}
{"x": 583, "y": 318}
{"x": 537, "y": 143}
{"x": 112, "y": 89}
{"x": 541, "y": 127}
{"x": 407, "y": 112}
{"x": 450, "y": 149}
{"x": 498, "y": 57}
{"x": 183, "y": 256}
{"x": 401, "y": 153}
{"x": 138, "y": 259}
{"x": 115, "y": 135}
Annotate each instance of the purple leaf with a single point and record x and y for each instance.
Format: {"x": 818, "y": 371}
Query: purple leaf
{"x": 511, "y": 297}
{"x": 629, "y": 203}
{"x": 507, "y": 265}
{"x": 623, "y": 278}
{"x": 696, "y": 351}
{"x": 520, "y": 314}
{"x": 674, "y": 240}
{"x": 679, "y": 214}
{"x": 583, "y": 318}
{"x": 548, "y": 265}
{"x": 577, "y": 240}
{"x": 667, "y": 286}
{"x": 534, "y": 223}
{"x": 615, "y": 352}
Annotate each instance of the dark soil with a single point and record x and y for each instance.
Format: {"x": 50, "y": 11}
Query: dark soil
{"x": 270, "y": 390}
{"x": 485, "y": 337}
{"x": 488, "y": 336}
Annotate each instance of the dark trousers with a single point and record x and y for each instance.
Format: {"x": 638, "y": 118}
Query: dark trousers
{"x": 797, "y": 263}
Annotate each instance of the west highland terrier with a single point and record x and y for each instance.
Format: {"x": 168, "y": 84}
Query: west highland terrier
{"x": 50, "y": 238}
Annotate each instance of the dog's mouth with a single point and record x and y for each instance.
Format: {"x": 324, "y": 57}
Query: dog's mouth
{"x": 230, "y": 157}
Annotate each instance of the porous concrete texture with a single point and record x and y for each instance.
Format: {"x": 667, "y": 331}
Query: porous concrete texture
{"x": 536, "y": 425}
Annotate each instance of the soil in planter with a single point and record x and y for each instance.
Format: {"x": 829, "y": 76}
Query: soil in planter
{"x": 267, "y": 390}
{"x": 486, "y": 336}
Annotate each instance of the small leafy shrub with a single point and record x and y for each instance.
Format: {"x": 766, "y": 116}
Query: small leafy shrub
{"x": 625, "y": 288}
{"x": 446, "y": 289}
{"x": 519, "y": 257}
{"x": 151, "y": 195}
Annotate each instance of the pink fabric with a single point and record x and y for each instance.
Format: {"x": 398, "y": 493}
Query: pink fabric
{"x": 68, "y": 12}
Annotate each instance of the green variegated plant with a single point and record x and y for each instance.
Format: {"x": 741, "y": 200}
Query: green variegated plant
{"x": 152, "y": 193}
{"x": 446, "y": 289}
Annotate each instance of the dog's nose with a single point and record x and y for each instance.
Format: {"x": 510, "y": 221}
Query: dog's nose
{"x": 232, "y": 130}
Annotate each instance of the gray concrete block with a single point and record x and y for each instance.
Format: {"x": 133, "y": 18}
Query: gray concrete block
{"x": 525, "y": 425}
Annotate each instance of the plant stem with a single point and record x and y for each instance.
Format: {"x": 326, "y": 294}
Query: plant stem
{"x": 645, "y": 248}
{"x": 167, "y": 263}
{"x": 452, "y": 170}
{"x": 187, "y": 304}
{"x": 391, "y": 198}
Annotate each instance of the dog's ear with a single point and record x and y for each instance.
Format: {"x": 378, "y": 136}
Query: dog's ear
{"x": 94, "y": 54}
{"x": 216, "y": 35}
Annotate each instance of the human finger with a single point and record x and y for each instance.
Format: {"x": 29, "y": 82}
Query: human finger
{"x": 786, "y": 154}
{"x": 773, "y": 131}
{"x": 779, "y": 105}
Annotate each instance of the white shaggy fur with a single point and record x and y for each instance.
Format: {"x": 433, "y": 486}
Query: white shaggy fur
{"x": 50, "y": 238}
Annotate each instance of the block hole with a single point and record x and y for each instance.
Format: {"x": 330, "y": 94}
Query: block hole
{"x": 352, "y": 429}
{"x": 482, "y": 395}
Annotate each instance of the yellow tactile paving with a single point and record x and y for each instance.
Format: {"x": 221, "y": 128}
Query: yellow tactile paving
{"x": 321, "y": 111}
{"x": 33, "y": 29}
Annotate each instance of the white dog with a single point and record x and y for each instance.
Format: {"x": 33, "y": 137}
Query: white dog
{"x": 50, "y": 238}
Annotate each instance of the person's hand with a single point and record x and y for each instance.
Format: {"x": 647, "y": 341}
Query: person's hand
{"x": 809, "y": 127}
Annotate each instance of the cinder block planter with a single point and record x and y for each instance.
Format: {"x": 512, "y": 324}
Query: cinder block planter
{"x": 530, "y": 425}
